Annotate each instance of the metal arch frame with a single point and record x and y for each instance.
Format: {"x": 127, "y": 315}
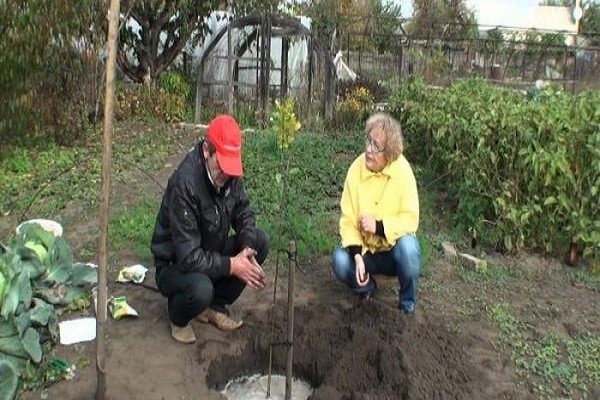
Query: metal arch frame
{"x": 268, "y": 21}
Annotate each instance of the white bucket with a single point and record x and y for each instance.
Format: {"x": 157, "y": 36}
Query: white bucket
{"x": 47, "y": 224}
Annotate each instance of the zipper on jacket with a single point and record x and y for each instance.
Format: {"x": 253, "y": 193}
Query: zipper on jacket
{"x": 219, "y": 218}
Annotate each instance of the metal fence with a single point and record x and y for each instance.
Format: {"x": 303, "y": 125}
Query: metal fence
{"x": 515, "y": 62}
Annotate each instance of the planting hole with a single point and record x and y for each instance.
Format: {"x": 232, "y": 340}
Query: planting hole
{"x": 255, "y": 388}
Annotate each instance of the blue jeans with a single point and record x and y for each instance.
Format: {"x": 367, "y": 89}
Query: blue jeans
{"x": 403, "y": 261}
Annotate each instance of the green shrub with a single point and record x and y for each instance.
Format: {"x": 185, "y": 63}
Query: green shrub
{"x": 174, "y": 83}
{"x": 354, "y": 109}
{"x": 50, "y": 74}
{"x": 522, "y": 172}
{"x": 150, "y": 104}
{"x": 246, "y": 115}
{"x": 376, "y": 88}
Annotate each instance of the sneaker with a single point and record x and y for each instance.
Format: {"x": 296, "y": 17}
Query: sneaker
{"x": 220, "y": 320}
{"x": 183, "y": 334}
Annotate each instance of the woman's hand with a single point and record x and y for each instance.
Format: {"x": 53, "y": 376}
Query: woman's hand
{"x": 362, "y": 276}
{"x": 367, "y": 223}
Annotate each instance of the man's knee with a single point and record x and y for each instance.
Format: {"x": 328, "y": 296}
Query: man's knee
{"x": 200, "y": 293}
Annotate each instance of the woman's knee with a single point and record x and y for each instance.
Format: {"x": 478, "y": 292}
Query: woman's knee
{"x": 341, "y": 263}
{"x": 407, "y": 253}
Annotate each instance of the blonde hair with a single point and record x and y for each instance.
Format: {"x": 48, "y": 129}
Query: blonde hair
{"x": 394, "y": 140}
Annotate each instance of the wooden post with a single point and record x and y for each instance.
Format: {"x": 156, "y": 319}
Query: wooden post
{"x": 229, "y": 70}
{"x": 400, "y": 58}
{"x": 290, "y": 319}
{"x": 329, "y": 98}
{"x": 285, "y": 47}
{"x": 267, "y": 69}
{"x": 199, "y": 84}
{"x": 263, "y": 67}
{"x": 113, "y": 30}
{"x": 310, "y": 47}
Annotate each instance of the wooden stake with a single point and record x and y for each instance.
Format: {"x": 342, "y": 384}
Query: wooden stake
{"x": 290, "y": 320}
{"x": 113, "y": 27}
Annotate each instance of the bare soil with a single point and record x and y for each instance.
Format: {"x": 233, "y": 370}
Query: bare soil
{"x": 347, "y": 349}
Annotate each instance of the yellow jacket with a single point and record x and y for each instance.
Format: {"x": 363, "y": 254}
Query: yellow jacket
{"x": 390, "y": 196}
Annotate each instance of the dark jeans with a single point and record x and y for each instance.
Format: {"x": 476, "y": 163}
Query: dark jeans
{"x": 191, "y": 293}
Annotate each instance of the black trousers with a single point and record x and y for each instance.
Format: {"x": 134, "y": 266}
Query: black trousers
{"x": 191, "y": 293}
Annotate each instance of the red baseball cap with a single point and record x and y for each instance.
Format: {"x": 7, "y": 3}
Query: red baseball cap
{"x": 224, "y": 133}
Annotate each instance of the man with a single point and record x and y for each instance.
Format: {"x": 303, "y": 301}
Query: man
{"x": 379, "y": 216}
{"x": 199, "y": 267}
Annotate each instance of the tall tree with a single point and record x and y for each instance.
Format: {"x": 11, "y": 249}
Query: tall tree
{"x": 436, "y": 19}
{"x": 155, "y": 31}
{"x": 590, "y": 22}
{"x": 245, "y": 7}
{"x": 387, "y": 22}
{"x": 327, "y": 19}
{"x": 364, "y": 24}
{"x": 47, "y": 52}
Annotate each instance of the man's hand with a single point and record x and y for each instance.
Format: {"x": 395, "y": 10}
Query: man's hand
{"x": 245, "y": 267}
{"x": 362, "y": 276}
{"x": 366, "y": 223}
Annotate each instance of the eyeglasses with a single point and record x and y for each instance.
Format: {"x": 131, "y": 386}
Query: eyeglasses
{"x": 374, "y": 145}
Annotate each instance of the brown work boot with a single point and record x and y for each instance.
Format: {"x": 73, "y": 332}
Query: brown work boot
{"x": 183, "y": 334}
{"x": 220, "y": 320}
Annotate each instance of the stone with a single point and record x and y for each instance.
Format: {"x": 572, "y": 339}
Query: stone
{"x": 449, "y": 250}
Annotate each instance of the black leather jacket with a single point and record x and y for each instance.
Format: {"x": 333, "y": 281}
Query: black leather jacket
{"x": 194, "y": 220}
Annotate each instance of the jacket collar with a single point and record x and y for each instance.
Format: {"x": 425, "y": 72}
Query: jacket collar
{"x": 390, "y": 170}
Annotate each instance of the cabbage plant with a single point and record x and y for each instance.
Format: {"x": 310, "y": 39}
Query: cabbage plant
{"x": 37, "y": 276}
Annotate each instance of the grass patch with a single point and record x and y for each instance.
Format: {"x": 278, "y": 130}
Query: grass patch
{"x": 495, "y": 274}
{"x": 585, "y": 277}
{"x": 40, "y": 180}
{"x": 554, "y": 366}
{"x": 500, "y": 315}
{"x": 426, "y": 253}
{"x": 131, "y": 227}
{"x": 430, "y": 285}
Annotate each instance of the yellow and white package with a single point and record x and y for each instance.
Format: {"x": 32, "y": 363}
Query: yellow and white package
{"x": 135, "y": 273}
{"x": 119, "y": 308}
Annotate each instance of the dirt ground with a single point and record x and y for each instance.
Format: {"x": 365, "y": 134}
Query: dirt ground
{"x": 345, "y": 348}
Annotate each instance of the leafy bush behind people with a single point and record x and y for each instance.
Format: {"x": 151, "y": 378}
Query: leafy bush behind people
{"x": 523, "y": 172}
